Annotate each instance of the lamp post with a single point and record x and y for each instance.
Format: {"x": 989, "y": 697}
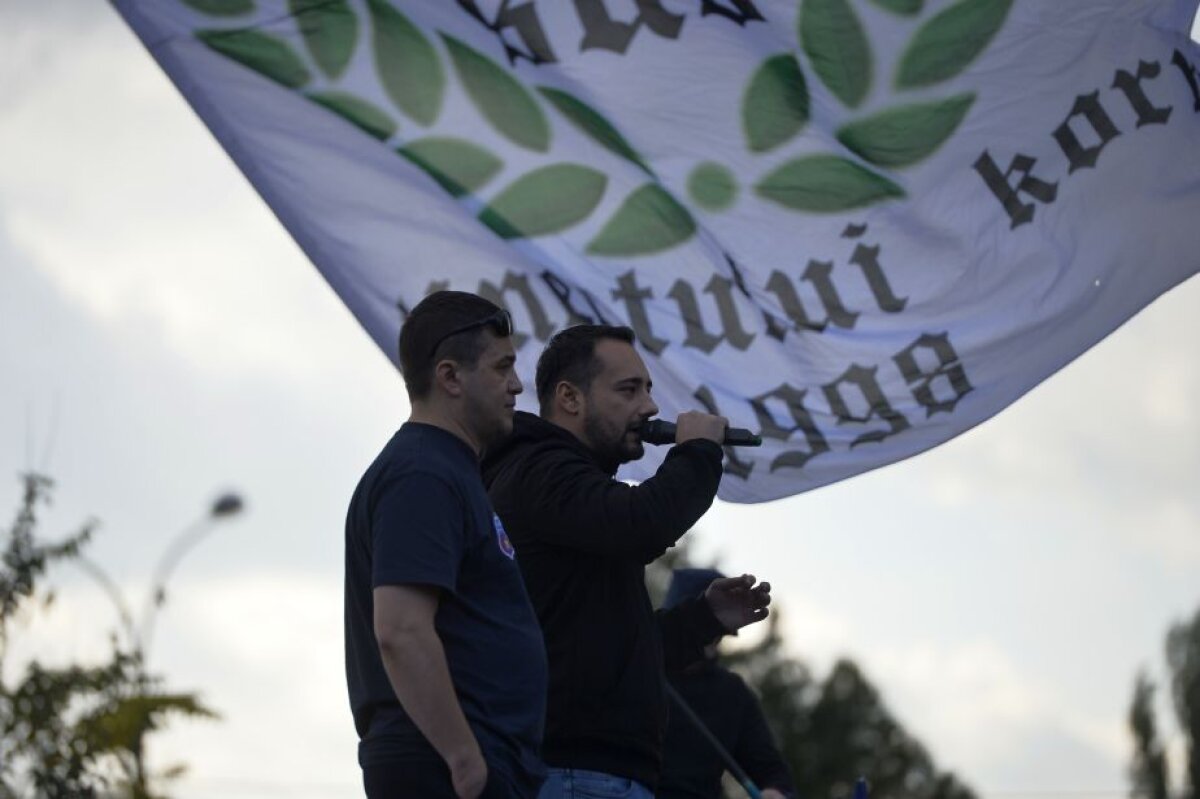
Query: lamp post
{"x": 139, "y": 632}
{"x": 224, "y": 507}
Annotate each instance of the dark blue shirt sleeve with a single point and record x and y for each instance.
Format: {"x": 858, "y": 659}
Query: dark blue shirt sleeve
{"x": 417, "y": 532}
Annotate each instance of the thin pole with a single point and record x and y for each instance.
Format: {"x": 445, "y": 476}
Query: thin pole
{"x": 180, "y": 544}
{"x": 730, "y": 764}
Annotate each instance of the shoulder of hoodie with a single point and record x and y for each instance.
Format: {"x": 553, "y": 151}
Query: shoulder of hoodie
{"x": 538, "y": 437}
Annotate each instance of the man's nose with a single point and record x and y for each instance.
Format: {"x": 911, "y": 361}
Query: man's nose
{"x": 651, "y": 408}
{"x": 515, "y": 386}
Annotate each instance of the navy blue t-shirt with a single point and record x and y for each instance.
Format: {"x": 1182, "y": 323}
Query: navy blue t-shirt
{"x": 421, "y": 515}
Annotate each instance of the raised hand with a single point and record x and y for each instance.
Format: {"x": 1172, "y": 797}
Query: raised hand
{"x": 737, "y": 601}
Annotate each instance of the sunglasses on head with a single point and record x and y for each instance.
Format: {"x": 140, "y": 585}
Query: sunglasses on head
{"x": 500, "y": 321}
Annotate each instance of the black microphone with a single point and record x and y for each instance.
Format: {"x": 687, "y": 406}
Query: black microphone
{"x": 656, "y": 431}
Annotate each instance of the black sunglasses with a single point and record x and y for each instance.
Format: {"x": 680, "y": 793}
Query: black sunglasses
{"x": 501, "y": 322}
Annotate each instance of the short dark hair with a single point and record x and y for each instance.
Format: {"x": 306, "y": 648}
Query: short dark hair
{"x": 571, "y": 356}
{"x": 424, "y": 340}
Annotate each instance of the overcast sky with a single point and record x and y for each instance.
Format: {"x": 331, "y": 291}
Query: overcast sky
{"x": 163, "y": 340}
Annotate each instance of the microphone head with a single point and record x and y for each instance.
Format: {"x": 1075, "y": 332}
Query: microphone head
{"x": 657, "y": 432}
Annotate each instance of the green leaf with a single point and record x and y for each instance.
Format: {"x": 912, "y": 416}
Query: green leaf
{"x": 834, "y": 40}
{"x": 500, "y": 97}
{"x": 650, "y": 220}
{"x": 265, "y": 54}
{"x": 330, "y": 30}
{"x": 592, "y": 123}
{"x": 460, "y": 166}
{"x": 368, "y": 117}
{"x": 775, "y": 105}
{"x": 221, "y": 8}
{"x": 407, "y": 64}
{"x": 712, "y": 186}
{"x": 825, "y": 184}
{"x": 118, "y": 725}
{"x": 945, "y": 45}
{"x": 902, "y": 136}
{"x": 545, "y": 201}
{"x": 907, "y": 8}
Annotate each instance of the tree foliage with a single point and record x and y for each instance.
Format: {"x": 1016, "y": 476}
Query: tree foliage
{"x": 74, "y": 731}
{"x": 832, "y": 730}
{"x": 835, "y": 729}
{"x": 1150, "y": 769}
{"x": 1183, "y": 658}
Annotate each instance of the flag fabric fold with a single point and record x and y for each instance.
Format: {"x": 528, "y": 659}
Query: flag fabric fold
{"x": 859, "y": 227}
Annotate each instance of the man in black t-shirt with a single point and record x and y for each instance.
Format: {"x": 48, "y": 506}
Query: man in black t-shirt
{"x": 445, "y": 662}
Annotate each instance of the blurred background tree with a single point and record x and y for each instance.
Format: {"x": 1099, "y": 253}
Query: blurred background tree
{"x": 77, "y": 731}
{"x": 830, "y": 731}
{"x": 1149, "y": 771}
{"x": 1183, "y": 659}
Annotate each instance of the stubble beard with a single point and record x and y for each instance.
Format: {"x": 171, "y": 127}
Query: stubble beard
{"x": 493, "y": 426}
{"x": 609, "y": 442}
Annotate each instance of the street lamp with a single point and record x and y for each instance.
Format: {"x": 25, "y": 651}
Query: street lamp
{"x": 139, "y": 637}
{"x": 223, "y": 507}
{"x": 140, "y": 631}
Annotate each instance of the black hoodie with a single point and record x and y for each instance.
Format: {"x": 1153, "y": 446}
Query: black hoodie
{"x": 582, "y": 540}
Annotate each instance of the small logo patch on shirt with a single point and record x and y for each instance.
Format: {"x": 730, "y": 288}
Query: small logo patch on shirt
{"x": 502, "y": 538}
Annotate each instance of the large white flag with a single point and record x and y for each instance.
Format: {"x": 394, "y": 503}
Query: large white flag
{"x": 860, "y": 227}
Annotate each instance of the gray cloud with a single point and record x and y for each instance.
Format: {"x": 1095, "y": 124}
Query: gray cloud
{"x": 147, "y": 292}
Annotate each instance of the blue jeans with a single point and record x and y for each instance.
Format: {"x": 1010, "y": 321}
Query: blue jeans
{"x": 577, "y": 783}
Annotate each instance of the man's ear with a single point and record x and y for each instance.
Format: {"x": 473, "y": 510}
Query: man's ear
{"x": 568, "y": 399}
{"x": 447, "y": 377}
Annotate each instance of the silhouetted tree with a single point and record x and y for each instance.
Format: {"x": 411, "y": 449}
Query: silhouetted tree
{"x": 1148, "y": 772}
{"x": 829, "y": 731}
{"x": 76, "y": 731}
{"x": 1150, "y": 767}
{"x": 837, "y": 729}
{"x": 1183, "y": 658}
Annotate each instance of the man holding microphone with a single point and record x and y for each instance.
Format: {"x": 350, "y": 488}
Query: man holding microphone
{"x": 583, "y": 539}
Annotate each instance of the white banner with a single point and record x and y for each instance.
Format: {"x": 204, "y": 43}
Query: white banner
{"x": 860, "y": 227}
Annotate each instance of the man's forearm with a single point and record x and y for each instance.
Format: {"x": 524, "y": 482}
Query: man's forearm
{"x": 416, "y": 667}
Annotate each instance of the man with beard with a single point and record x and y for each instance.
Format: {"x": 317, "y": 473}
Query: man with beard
{"x": 444, "y": 659}
{"x": 583, "y": 539}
